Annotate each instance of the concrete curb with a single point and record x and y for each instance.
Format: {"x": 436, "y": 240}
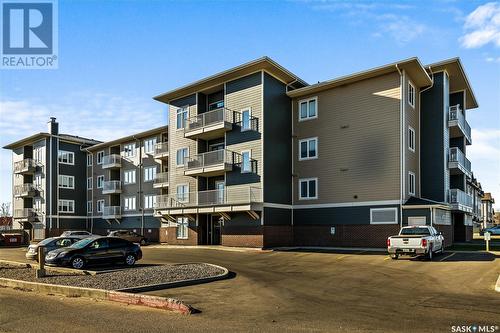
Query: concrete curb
{"x": 182, "y": 283}
{"x": 209, "y": 247}
{"x": 50, "y": 268}
{"x": 321, "y": 248}
{"x": 497, "y": 286}
{"x": 107, "y": 295}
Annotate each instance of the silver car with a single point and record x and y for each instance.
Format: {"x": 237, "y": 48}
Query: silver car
{"x": 81, "y": 234}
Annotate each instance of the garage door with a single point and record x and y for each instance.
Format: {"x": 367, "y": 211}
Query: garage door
{"x": 417, "y": 220}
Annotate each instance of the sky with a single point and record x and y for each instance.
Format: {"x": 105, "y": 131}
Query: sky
{"x": 114, "y": 56}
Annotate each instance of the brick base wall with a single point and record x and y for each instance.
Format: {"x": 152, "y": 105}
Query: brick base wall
{"x": 244, "y": 236}
{"x": 275, "y": 236}
{"x": 447, "y": 231}
{"x": 469, "y": 234}
{"x": 169, "y": 235}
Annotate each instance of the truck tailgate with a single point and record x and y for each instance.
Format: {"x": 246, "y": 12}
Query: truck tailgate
{"x": 406, "y": 242}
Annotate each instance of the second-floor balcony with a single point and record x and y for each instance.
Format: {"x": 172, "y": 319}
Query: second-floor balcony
{"x": 26, "y": 214}
{"x": 112, "y": 187}
{"x": 460, "y": 200}
{"x": 458, "y": 125}
{"x": 112, "y": 212}
{"x": 25, "y": 166}
{"x": 111, "y": 161}
{"x": 209, "y": 125}
{"x": 25, "y": 191}
{"x": 458, "y": 163}
{"x": 212, "y": 163}
{"x": 161, "y": 150}
{"x": 161, "y": 180}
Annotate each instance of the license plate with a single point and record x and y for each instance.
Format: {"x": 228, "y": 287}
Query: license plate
{"x": 407, "y": 250}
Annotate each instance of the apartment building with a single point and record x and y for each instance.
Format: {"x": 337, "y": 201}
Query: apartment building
{"x": 123, "y": 179}
{"x": 49, "y": 182}
{"x": 264, "y": 159}
{"x": 487, "y": 211}
{"x": 475, "y": 190}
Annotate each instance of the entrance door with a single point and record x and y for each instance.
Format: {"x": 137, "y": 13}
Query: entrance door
{"x": 417, "y": 220}
{"x": 215, "y": 227}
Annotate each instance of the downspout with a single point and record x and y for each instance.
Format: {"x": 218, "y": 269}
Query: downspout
{"x": 401, "y": 176}
{"x": 50, "y": 184}
{"x": 91, "y": 188}
{"x": 420, "y": 130}
{"x": 138, "y": 142}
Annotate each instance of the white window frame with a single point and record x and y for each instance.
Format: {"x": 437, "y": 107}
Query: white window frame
{"x": 153, "y": 173}
{"x": 411, "y": 139}
{"x": 90, "y": 207}
{"x": 66, "y": 155}
{"x": 64, "y": 202}
{"x": 184, "y": 160}
{"x": 177, "y": 193}
{"x": 100, "y": 156}
{"x": 411, "y": 183}
{"x": 149, "y": 201}
{"x": 249, "y": 109}
{"x": 178, "y": 112}
{"x": 61, "y": 181}
{"x": 131, "y": 172}
{"x": 249, "y": 161}
{"x": 129, "y": 199}
{"x": 89, "y": 159}
{"x": 100, "y": 204}
{"x": 149, "y": 145}
{"x": 394, "y": 209}
{"x": 307, "y": 180}
{"x": 300, "y": 149}
{"x": 129, "y": 149}
{"x": 89, "y": 183}
{"x": 102, "y": 182}
{"x": 184, "y": 224}
{"x": 307, "y": 100}
{"x": 411, "y": 93}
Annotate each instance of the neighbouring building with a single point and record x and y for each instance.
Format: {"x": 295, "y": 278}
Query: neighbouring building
{"x": 487, "y": 211}
{"x": 496, "y": 218}
{"x": 475, "y": 190}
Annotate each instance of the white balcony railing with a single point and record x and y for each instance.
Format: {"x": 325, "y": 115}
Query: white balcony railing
{"x": 457, "y": 156}
{"x": 161, "y": 148}
{"x": 25, "y": 165}
{"x": 25, "y": 213}
{"x": 209, "y": 118}
{"x": 211, "y": 158}
{"x": 161, "y": 178}
{"x": 112, "y": 186}
{"x": 456, "y": 114}
{"x": 460, "y": 198}
{"x": 25, "y": 190}
{"x": 113, "y": 160}
{"x": 111, "y": 212}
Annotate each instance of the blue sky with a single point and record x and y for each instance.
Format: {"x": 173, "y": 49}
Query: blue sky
{"x": 114, "y": 56}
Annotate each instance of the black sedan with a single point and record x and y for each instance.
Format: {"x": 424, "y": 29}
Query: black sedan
{"x": 95, "y": 250}
{"x": 49, "y": 244}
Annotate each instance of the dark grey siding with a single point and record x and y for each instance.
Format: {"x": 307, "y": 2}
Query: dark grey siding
{"x": 336, "y": 215}
{"x": 188, "y": 100}
{"x": 243, "y": 83}
{"x": 277, "y": 216}
{"x": 79, "y": 172}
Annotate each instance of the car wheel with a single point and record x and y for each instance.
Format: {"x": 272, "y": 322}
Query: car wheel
{"x": 77, "y": 262}
{"x": 394, "y": 256}
{"x": 143, "y": 241}
{"x": 130, "y": 259}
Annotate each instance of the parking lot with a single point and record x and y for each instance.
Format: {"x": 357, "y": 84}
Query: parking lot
{"x": 298, "y": 291}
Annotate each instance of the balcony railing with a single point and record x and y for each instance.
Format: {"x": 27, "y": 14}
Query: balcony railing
{"x": 111, "y": 161}
{"x": 210, "y": 158}
{"x": 458, "y": 160}
{"x": 161, "y": 179}
{"x": 27, "y": 165}
{"x": 211, "y": 123}
{"x": 25, "y": 213}
{"x": 161, "y": 149}
{"x": 457, "y": 117}
{"x": 111, "y": 212}
{"x": 112, "y": 186}
{"x": 226, "y": 196}
{"x": 460, "y": 200}
{"x": 25, "y": 190}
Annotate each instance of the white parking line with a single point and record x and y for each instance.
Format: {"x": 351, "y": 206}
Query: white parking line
{"x": 448, "y": 256}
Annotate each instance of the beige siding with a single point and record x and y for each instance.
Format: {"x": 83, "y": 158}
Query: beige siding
{"x": 358, "y": 130}
{"x": 412, "y": 118}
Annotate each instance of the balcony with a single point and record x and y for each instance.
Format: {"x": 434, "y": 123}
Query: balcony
{"x": 229, "y": 199}
{"x": 112, "y": 161}
{"x": 112, "y": 212}
{"x": 161, "y": 180}
{"x": 458, "y": 125}
{"x": 26, "y": 166}
{"x": 25, "y": 191}
{"x": 213, "y": 163}
{"x": 26, "y": 214}
{"x": 209, "y": 125}
{"x": 460, "y": 200}
{"x": 112, "y": 187}
{"x": 161, "y": 150}
{"x": 458, "y": 163}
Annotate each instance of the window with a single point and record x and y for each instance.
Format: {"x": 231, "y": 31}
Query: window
{"x": 182, "y": 227}
{"x": 183, "y": 193}
{"x": 182, "y": 117}
{"x": 411, "y": 139}
{"x": 129, "y": 150}
{"x": 246, "y": 161}
{"x": 411, "y": 183}
{"x": 89, "y": 183}
{"x": 308, "y": 109}
{"x": 129, "y": 177}
{"x": 246, "y": 115}
{"x": 149, "y": 145}
{"x": 100, "y": 206}
{"x": 383, "y": 215}
{"x": 66, "y": 206}
{"x": 215, "y": 105}
{"x": 89, "y": 206}
{"x": 411, "y": 94}
{"x": 129, "y": 203}
{"x": 38, "y": 180}
{"x": 308, "y": 149}
{"x": 100, "y": 181}
{"x": 308, "y": 188}
{"x": 66, "y": 182}
{"x": 89, "y": 159}
{"x": 38, "y": 155}
{"x": 66, "y": 157}
{"x": 100, "y": 156}
{"x": 181, "y": 156}
{"x": 149, "y": 201}
{"x": 149, "y": 174}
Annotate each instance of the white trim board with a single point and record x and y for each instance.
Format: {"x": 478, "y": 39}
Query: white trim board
{"x": 333, "y": 205}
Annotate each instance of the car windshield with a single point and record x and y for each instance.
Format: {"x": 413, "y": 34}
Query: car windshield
{"x": 81, "y": 244}
{"x": 46, "y": 241}
{"x": 415, "y": 231}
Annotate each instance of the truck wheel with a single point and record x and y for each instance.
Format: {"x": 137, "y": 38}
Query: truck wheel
{"x": 394, "y": 256}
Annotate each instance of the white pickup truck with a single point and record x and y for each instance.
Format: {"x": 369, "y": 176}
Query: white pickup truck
{"x": 414, "y": 241}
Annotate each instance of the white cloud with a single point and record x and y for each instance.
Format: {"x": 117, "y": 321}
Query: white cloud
{"x": 492, "y": 59}
{"x": 401, "y": 28}
{"x": 482, "y": 26}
